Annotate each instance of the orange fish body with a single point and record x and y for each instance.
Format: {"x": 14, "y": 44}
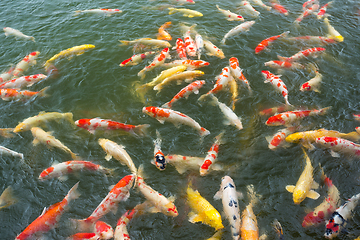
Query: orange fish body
{"x": 164, "y": 35}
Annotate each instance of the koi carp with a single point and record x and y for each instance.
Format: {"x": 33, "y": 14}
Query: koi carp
{"x": 337, "y": 144}
{"x": 180, "y": 49}
{"x": 216, "y": 236}
{"x": 135, "y": 59}
{"x": 175, "y": 117}
{"x": 312, "y": 40}
{"x": 158, "y": 60}
{"x": 309, "y": 3}
{"x": 8, "y": 94}
{"x": 25, "y": 81}
{"x": 222, "y": 80}
{"x": 184, "y": 163}
{"x": 190, "y": 64}
{"x": 190, "y": 45}
{"x": 322, "y": 10}
{"x": 84, "y": 236}
{"x": 307, "y": 12}
{"x": 277, "y": 83}
{"x": 261, "y": 4}
{"x": 229, "y": 197}
{"x": 243, "y": 27}
{"x": 304, "y": 185}
{"x": 186, "y": 75}
{"x": 264, "y": 44}
{"x": 50, "y": 216}
{"x": 290, "y": 117}
{"x": 230, "y": 116}
{"x": 199, "y": 42}
{"x": 211, "y": 155}
{"x": 103, "y": 230}
{"x": 313, "y": 84}
{"x": 284, "y": 65}
{"x": 278, "y": 139}
{"x": 7, "y": 198}
{"x": 278, "y": 7}
{"x": 213, "y": 50}
{"x": 4, "y": 150}
{"x": 17, "y": 34}
{"x": 234, "y": 90}
{"x": 272, "y": 111}
{"x": 186, "y": 12}
{"x": 332, "y": 33}
{"x": 236, "y": 72}
{"x": 230, "y": 16}
{"x": 163, "y": 34}
{"x": 202, "y": 210}
{"x": 105, "y": 11}
{"x": 159, "y": 158}
{"x": 248, "y": 9}
{"x": 147, "y": 41}
{"x": 311, "y": 52}
{"x": 278, "y": 229}
{"x": 6, "y": 76}
{"x": 25, "y": 64}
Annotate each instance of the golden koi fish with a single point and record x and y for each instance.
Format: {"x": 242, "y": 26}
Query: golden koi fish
{"x": 186, "y": 12}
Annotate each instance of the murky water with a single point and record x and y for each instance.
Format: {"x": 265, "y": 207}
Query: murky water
{"x": 93, "y": 85}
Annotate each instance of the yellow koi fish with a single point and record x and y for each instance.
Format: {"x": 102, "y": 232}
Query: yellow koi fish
{"x": 77, "y": 50}
{"x": 187, "y": 76}
{"x": 186, "y": 12}
{"x": 333, "y": 34}
{"x": 147, "y": 41}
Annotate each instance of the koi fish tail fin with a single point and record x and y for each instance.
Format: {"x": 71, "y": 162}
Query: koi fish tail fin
{"x": 142, "y": 130}
{"x": 284, "y": 34}
{"x": 7, "y": 198}
{"x": 141, "y": 74}
{"x": 77, "y": 12}
{"x": 82, "y": 225}
{"x": 158, "y": 140}
{"x": 124, "y": 42}
{"x": 42, "y": 92}
{"x": 75, "y": 156}
{"x": 232, "y": 105}
{"x": 223, "y": 41}
{"x": 219, "y": 138}
{"x": 278, "y": 229}
{"x": 252, "y": 194}
{"x": 73, "y": 193}
{"x": 166, "y": 105}
{"x": 288, "y": 103}
{"x": 284, "y": 59}
{"x": 353, "y": 136}
{"x": 158, "y": 87}
{"x": 324, "y": 110}
{"x": 172, "y": 10}
{"x": 32, "y": 39}
{"x": 311, "y": 68}
{"x": 7, "y": 132}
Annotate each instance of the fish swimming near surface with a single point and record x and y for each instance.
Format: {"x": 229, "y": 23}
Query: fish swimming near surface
{"x": 25, "y": 64}
{"x": 311, "y": 52}
{"x": 103, "y": 230}
{"x": 332, "y": 32}
{"x": 278, "y": 7}
{"x": 158, "y": 61}
{"x": 147, "y": 41}
{"x": 186, "y": 12}
{"x": 261, "y": 4}
{"x": 246, "y": 7}
{"x": 7, "y": 198}
{"x": 278, "y": 139}
{"x": 105, "y": 11}
{"x": 9, "y": 94}
{"x": 278, "y": 229}
{"x": 211, "y": 156}
{"x": 277, "y": 83}
{"x": 135, "y": 59}
{"x": 180, "y": 49}
{"x": 243, "y": 27}
{"x": 187, "y": 76}
{"x": 163, "y": 34}
{"x": 313, "y": 84}
{"x": 17, "y": 34}
{"x": 222, "y": 81}
{"x": 276, "y": 64}
{"x": 230, "y": 16}
{"x": 6, "y": 151}
{"x": 338, "y": 145}
{"x": 190, "y": 64}
{"x": 237, "y": 72}
{"x": 264, "y": 44}
{"x": 322, "y": 11}
{"x": 159, "y": 158}
{"x": 6, "y": 76}
{"x": 83, "y": 236}
{"x": 24, "y": 81}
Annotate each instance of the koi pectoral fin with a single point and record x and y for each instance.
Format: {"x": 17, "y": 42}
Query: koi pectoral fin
{"x": 193, "y": 217}
{"x": 290, "y": 188}
{"x": 313, "y": 195}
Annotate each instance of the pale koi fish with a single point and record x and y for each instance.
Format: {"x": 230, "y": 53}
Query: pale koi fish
{"x": 234, "y": 90}
{"x": 180, "y": 49}
{"x": 7, "y": 132}
{"x": 338, "y": 145}
{"x": 311, "y": 52}
{"x": 340, "y": 217}
{"x": 261, "y": 4}
{"x": 41, "y": 118}
{"x": 158, "y": 60}
{"x": 40, "y": 136}
{"x": 50, "y": 216}
{"x": 17, "y": 34}
{"x": 7, "y": 198}
{"x": 243, "y": 27}
{"x": 5, "y": 76}
{"x": 313, "y": 84}
{"x": 64, "y": 168}
{"x": 94, "y": 124}
{"x": 230, "y": 16}
{"x": 175, "y": 117}
{"x": 159, "y": 201}
{"x": 103, "y": 230}
{"x": 248, "y": 9}
{"x": 68, "y": 53}
{"x": 305, "y": 184}
{"x": 105, "y": 11}
{"x": 159, "y": 158}
{"x": 213, "y": 50}
{"x": 322, "y": 11}
{"x": 279, "y": 65}
{"x": 184, "y": 163}
{"x": 190, "y": 44}
{"x": 186, "y": 12}
{"x": 230, "y": 116}
{"x": 190, "y": 64}
{"x": 222, "y": 81}
{"x": 229, "y": 197}
{"x": 264, "y": 44}
{"x": 185, "y": 92}
{"x": 278, "y": 229}
{"x": 249, "y": 229}
{"x": 25, "y": 64}
{"x": 147, "y": 41}
{"x": 278, "y": 139}
{"x": 277, "y": 83}
{"x": 120, "y": 192}
{"x": 272, "y": 111}
{"x": 163, "y": 34}
{"x": 187, "y": 76}
{"x": 182, "y": 2}
{"x": 4, "y": 150}
{"x": 211, "y": 155}
{"x": 135, "y": 59}
{"x": 9, "y": 94}
{"x": 199, "y": 42}
{"x": 25, "y": 81}
{"x": 278, "y": 7}
{"x": 118, "y": 152}
{"x": 217, "y": 235}
{"x": 307, "y": 12}
{"x": 236, "y": 72}
{"x": 312, "y": 40}
{"x": 332, "y": 33}
{"x": 290, "y": 117}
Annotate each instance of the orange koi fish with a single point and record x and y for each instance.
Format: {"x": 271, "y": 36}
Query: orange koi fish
{"x": 222, "y": 81}
{"x": 249, "y": 229}
{"x": 164, "y": 35}
{"x": 311, "y": 52}
{"x": 8, "y": 94}
{"x": 190, "y": 64}
{"x": 135, "y": 59}
{"x": 84, "y": 236}
{"x": 180, "y": 49}
{"x": 211, "y": 156}
{"x": 278, "y": 7}
{"x": 158, "y": 60}
{"x": 50, "y": 216}
{"x": 264, "y": 44}
{"x": 103, "y": 230}
{"x": 277, "y": 83}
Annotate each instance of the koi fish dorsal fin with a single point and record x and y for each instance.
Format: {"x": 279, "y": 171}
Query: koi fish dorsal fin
{"x": 290, "y": 188}
{"x": 218, "y": 195}
{"x": 313, "y": 195}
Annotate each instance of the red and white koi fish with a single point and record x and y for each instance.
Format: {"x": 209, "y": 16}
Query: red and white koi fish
{"x": 313, "y": 40}
{"x": 309, "y": 4}
{"x": 175, "y": 117}
{"x": 84, "y": 236}
{"x": 105, "y": 11}
{"x": 332, "y": 33}
{"x": 135, "y": 59}
{"x": 118, "y": 152}
{"x": 159, "y": 158}
{"x": 6, "y": 76}
{"x": 229, "y": 197}
{"x": 213, "y": 50}
{"x": 248, "y": 9}
{"x": 261, "y": 4}
{"x": 230, "y": 16}
{"x": 181, "y": 2}
{"x": 185, "y": 92}
{"x": 311, "y": 52}
{"x": 159, "y": 201}
{"x": 313, "y": 84}
{"x": 290, "y": 117}
{"x": 164, "y": 35}
{"x": 147, "y": 41}
{"x": 67, "y": 167}
{"x": 93, "y": 124}
{"x": 272, "y": 111}
{"x": 190, "y": 45}
{"x": 158, "y": 60}
{"x": 307, "y": 12}
{"x": 50, "y": 216}
{"x": 222, "y": 80}
{"x": 180, "y": 49}
{"x": 249, "y": 229}
{"x": 322, "y": 11}
{"x": 25, "y": 81}
{"x": 190, "y": 64}
{"x": 340, "y": 217}
{"x": 17, "y": 34}
{"x": 264, "y": 44}
{"x": 231, "y": 117}
{"x": 284, "y": 65}
{"x": 9, "y": 94}
{"x": 103, "y": 230}
{"x": 277, "y": 83}
{"x": 199, "y": 42}
{"x": 356, "y": 117}
{"x": 337, "y": 144}
{"x": 186, "y": 76}
{"x": 184, "y": 163}
{"x": 278, "y": 7}
{"x": 25, "y": 64}
{"x": 326, "y": 208}
{"x": 236, "y": 72}
{"x": 211, "y": 156}
{"x": 120, "y": 192}
{"x": 278, "y": 139}
{"x": 243, "y": 27}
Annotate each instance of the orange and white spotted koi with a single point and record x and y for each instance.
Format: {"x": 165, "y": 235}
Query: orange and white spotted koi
{"x": 278, "y": 7}
{"x": 190, "y": 45}
{"x": 313, "y": 84}
{"x": 276, "y": 64}
{"x": 222, "y": 81}
{"x": 103, "y": 230}
{"x": 211, "y": 156}
{"x": 175, "y": 117}
{"x": 64, "y": 168}
{"x": 213, "y": 50}
{"x": 237, "y": 72}
{"x": 25, "y": 64}
{"x": 158, "y": 60}
{"x": 311, "y": 52}
{"x": 135, "y": 59}
{"x": 9, "y": 94}
{"x": 93, "y": 124}
{"x": 230, "y": 16}
{"x": 190, "y": 64}
{"x": 159, "y": 158}
{"x": 120, "y": 192}
{"x": 322, "y": 10}
{"x": 307, "y": 12}
{"x": 290, "y": 117}
{"x": 243, "y": 27}
{"x": 105, "y": 11}
{"x": 341, "y": 145}
{"x": 248, "y": 9}
{"x": 185, "y": 92}
{"x": 277, "y": 83}
{"x": 264, "y": 44}
{"x": 278, "y": 139}
{"x": 180, "y": 49}
{"x": 25, "y": 81}
{"x": 164, "y": 35}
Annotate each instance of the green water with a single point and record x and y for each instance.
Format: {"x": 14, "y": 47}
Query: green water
{"x": 93, "y": 85}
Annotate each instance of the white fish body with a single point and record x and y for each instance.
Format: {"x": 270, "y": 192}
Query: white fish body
{"x": 17, "y": 34}
{"x": 261, "y": 4}
{"x": 248, "y": 9}
{"x": 213, "y": 50}
{"x": 243, "y": 27}
{"x": 4, "y": 150}
{"x": 231, "y": 117}
{"x": 230, "y": 16}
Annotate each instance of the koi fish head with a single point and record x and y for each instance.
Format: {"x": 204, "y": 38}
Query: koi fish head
{"x": 20, "y": 127}
{"x": 104, "y": 230}
{"x": 266, "y": 74}
{"x": 305, "y": 87}
{"x": 45, "y": 173}
{"x": 333, "y": 225}
{"x": 298, "y": 196}
{"x": 233, "y": 62}
{"x": 227, "y": 182}
{"x": 171, "y": 210}
{"x": 275, "y": 121}
{"x": 160, "y": 161}
{"x": 83, "y": 123}
{"x": 312, "y": 219}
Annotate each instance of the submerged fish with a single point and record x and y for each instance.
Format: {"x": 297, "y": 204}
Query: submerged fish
{"x": 243, "y": 27}
{"x": 17, "y": 34}
{"x": 186, "y": 12}
{"x": 7, "y": 198}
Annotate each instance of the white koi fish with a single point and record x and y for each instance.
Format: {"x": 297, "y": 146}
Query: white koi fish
{"x": 25, "y": 64}
{"x": 199, "y": 42}
{"x": 231, "y": 117}
{"x": 222, "y": 81}
{"x": 24, "y": 81}
{"x": 311, "y": 52}
{"x": 105, "y": 11}
{"x": 17, "y": 34}
{"x": 211, "y": 155}
{"x": 147, "y": 41}
{"x": 186, "y": 12}
{"x": 158, "y": 60}
{"x": 40, "y": 136}
{"x": 213, "y": 50}
{"x": 159, "y": 158}
{"x": 248, "y": 9}
{"x": 243, "y": 27}
{"x": 340, "y": 217}
{"x": 261, "y": 4}
{"x": 230, "y": 203}
{"x": 277, "y": 83}
{"x": 230, "y": 16}
{"x": 4, "y": 150}
{"x": 175, "y": 117}
{"x": 304, "y": 185}
{"x": 313, "y": 84}
{"x": 236, "y": 72}
{"x": 332, "y": 33}
{"x": 187, "y": 76}
{"x": 135, "y": 59}
{"x": 337, "y": 144}
{"x": 312, "y": 40}
{"x": 118, "y": 152}
{"x": 5, "y": 76}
